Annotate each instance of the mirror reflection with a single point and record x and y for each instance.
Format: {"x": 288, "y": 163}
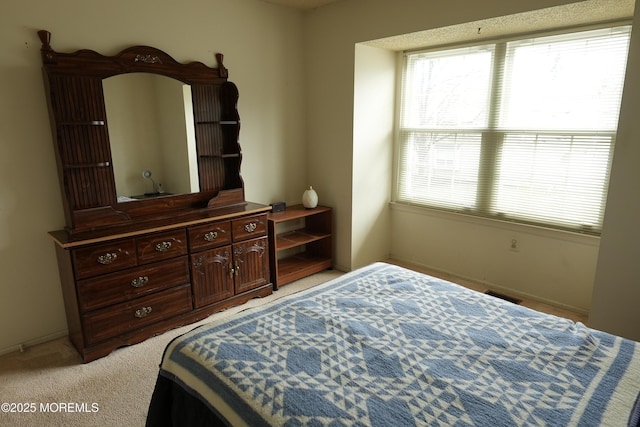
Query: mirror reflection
{"x": 150, "y": 119}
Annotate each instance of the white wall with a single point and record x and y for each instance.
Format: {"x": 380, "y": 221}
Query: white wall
{"x": 374, "y": 109}
{"x": 548, "y": 266}
{"x": 262, "y": 45}
{"x": 616, "y": 291}
{"x": 135, "y": 131}
{"x": 173, "y": 123}
{"x": 554, "y": 267}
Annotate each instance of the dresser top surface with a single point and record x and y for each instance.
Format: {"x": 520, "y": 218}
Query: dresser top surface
{"x": 67, "y": 241}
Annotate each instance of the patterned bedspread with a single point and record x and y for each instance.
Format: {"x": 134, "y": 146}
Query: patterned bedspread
{"x": 385, "y": 346}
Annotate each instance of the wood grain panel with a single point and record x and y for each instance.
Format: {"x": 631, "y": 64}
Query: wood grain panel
{"x": 104, "y": 258}
{"x": 209, "y": 236}
{"x": 249, "y": 227}
{"x": 159, "y": 246}
{"x": 122, "y": 318}
{"x": 251, "y": 260}
{"x": 212, "y": 276}
{"x": 126, "y": 285}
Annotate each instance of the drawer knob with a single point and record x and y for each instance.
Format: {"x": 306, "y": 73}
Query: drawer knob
{"x": 251, "y": 227}
{"x": 107, "y": 258}
{"x": 139, "y": 281}
{"x": 142, "y": 312}
{"x": 163, "y": 246}
{"x": 211, "y": 236}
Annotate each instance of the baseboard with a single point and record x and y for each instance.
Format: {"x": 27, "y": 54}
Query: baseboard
{"x": 340, "y": 267}
{"x": 492, "y": 286}
{"x": 30, "y": 343}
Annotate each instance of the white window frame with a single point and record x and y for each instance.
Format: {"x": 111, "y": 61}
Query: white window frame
{"x": 490, "y": 137}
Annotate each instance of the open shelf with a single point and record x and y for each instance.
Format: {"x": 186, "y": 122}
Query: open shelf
{"x": 88, "y": 165}
{"x": 302, "y": 265}
{"x": 305, "y": 250}
{"x": 295, "y": 238}
{"x": 85, "y": 123}
{"x": 220, "y": 156}
{"x": 218, "y": 122}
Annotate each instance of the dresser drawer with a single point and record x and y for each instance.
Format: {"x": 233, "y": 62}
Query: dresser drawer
{"x": 249, "y": 227}
{"x": 155, "y": 247}
{"x": 209, "y": 236}
{"x": 104, "y": 258}
{"x": 125, "y": 285}
{"x": 113, "y": 321}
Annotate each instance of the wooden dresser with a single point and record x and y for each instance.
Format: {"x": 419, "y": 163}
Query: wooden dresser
{"x": 123, "y": 288}
{"x": 134, "y": 263}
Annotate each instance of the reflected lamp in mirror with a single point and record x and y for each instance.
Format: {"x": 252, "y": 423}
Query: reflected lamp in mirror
{"x": 154, "y": 188}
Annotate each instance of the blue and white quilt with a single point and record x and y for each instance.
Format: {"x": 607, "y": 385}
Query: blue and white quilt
{"x": 386, "y": 346}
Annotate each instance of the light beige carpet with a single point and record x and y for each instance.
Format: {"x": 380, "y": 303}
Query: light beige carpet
{"x": 52, "y": 385}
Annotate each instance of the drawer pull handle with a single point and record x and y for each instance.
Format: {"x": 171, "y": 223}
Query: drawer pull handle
{"x": 140, "y": 281}
{"x": 163, "y": 246}
{"x": 107, "y": 258}
{"x": 211, "y": 236}
{"x": 142, "y": 312}
{"x": 251, "y": 227}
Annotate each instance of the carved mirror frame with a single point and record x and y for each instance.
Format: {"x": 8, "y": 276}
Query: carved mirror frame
{"x": 81, "y": 136}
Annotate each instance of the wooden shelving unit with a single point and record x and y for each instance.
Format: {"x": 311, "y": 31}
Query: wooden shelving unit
{"x": 303, "y": 250}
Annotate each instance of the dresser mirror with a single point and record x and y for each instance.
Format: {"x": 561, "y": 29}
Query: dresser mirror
{"x": 150, "y": 121}
{"x": 114, "y": 117}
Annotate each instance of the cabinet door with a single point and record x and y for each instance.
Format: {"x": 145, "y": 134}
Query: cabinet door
{"x": 251, "y": 263}
{"x": 212, "y": 276}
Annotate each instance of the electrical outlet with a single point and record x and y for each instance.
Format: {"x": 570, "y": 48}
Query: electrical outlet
{"x": 514, "y": 246}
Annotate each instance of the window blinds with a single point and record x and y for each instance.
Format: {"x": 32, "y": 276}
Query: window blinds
{"x": 520, "y": 130}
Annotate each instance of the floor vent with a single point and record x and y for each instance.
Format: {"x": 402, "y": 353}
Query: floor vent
{"x": 504, "y": 297}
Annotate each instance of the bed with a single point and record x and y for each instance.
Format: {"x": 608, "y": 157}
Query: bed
{"x": 387, "y": 346}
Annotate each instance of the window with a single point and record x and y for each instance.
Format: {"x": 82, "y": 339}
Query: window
{"x": 520, "y": 130}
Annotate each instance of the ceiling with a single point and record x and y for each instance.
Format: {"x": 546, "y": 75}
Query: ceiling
{"x": 575, "y": 14}
{"x": 301, "y": 4}
{"x": 566, "y": 16}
